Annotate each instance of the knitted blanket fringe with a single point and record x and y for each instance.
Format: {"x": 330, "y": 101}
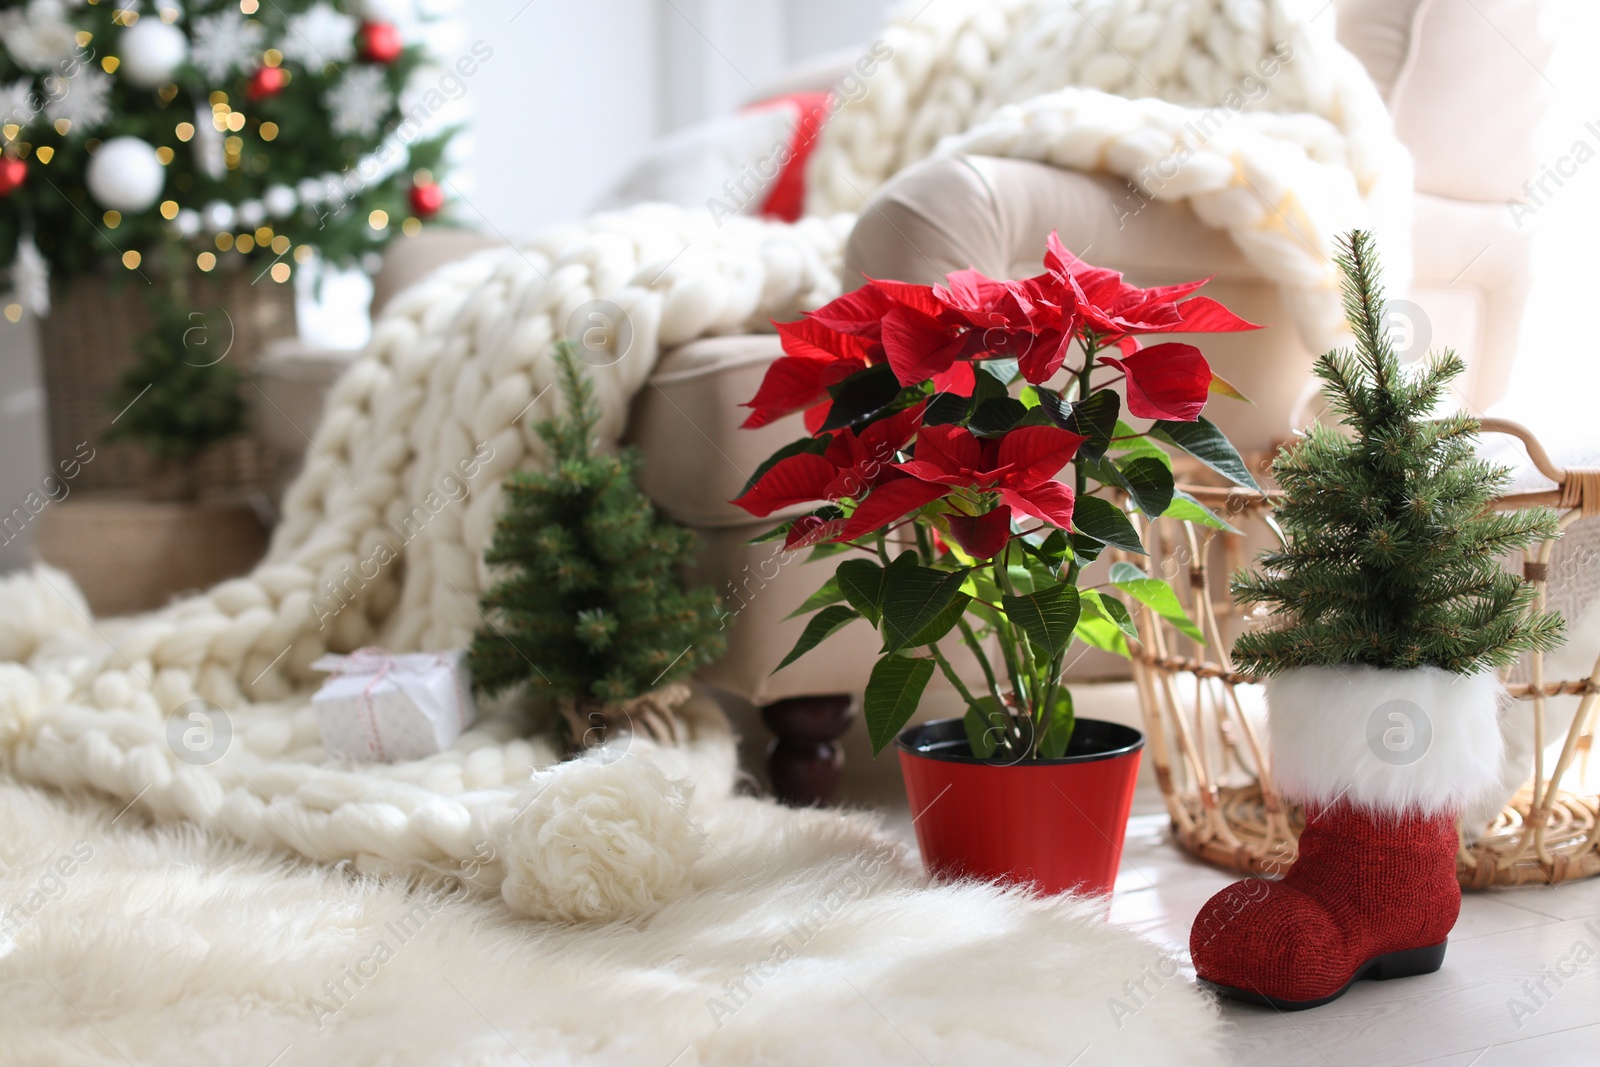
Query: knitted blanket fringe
{"x": 383, "y": 532}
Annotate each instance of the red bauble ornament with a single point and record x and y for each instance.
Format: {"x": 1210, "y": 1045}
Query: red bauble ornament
{"x": 12, "y": 172}
{"x": 426, "y": 199}
{"x": 380, "y": 42}
{"x": 268, "y": 81}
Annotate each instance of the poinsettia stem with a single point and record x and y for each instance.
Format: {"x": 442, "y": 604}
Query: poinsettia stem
{"x": 1052, "y": 686}
{"x": 950, "y": 673}
{"x": 1008, "y": 650}
{"x": 882, "y": 543}
{"x": 1027, "y": 697}
{"x": 976, "y": 646}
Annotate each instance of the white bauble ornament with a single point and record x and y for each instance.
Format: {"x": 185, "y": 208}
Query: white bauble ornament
{"x": 279, "y": 200}
{"x": 252, "y": 213}
{"x": 187, "y": 222}
{"x": 218, "y": 215}
{"x": 151, "y": 52}
{"x": 125, "y": 175}
{"x": 310, "y": 190}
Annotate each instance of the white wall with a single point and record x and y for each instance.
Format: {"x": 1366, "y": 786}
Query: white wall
{"x": 576, "y": 91}
{"x": 563, "y": 106}
{"x": 812, "y": 27}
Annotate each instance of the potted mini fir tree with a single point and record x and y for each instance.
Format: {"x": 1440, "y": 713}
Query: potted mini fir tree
{"x": 1390, "y": 617}
{"x": 590, "y": 610}
{"x": 177, "y": 399}
{"x": 966, "y": 461}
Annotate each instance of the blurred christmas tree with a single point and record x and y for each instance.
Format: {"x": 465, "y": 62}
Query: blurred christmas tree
{"x": 1392, "y": 556}
{"x": 163, "y": 141}
{"x": 230, "y": 128}
{"x": 591, "y": 610}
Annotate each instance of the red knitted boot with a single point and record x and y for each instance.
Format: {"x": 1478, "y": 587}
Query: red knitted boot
{"x": 1383, "y": 761}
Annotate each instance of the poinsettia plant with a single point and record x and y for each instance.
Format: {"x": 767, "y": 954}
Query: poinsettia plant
{"x": 967, "y": 458}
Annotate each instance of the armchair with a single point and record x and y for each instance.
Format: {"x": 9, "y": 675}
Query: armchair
{"x": 1462, "y": 85}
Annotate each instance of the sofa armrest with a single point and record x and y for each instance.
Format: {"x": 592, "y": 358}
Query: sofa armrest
{"x": 994, "y": 214}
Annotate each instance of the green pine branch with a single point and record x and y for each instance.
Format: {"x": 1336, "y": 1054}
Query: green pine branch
{"x": 589, "y": 603}
{"x": 1392, "y": 555}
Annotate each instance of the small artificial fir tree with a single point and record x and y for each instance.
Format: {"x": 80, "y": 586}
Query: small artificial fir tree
{"x": 175, "y": 400}
{"x": 592, "y": 610}
{"x": 1392, "y": 554}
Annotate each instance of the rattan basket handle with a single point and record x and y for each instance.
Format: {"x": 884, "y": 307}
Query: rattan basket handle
{"x": 1579, "y": 488}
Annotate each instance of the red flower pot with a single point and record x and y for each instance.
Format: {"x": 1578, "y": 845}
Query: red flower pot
{"x": 1055, "y": 824}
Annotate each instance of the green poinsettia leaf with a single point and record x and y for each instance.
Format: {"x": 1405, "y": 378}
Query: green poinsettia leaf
{"x": 1155, "y": 594}
{"x": 913, "y": 597}
{"x": 1105, "y": 522}
{"x": 1058, "y": 726}
{"x": 822, "y": 624}
{"x": 893, "y": 692}
{"x": 1188, "y": 509}
{"x": 987, "y": 726}
{"x": 1149, "y": 482}
{"x": 860, "y": 396}
{"x": 830, "y": 593}
{"x": 1202, "y": 440}
{"x": 1047, "y": 616}
{"x": 1104, "y": 623}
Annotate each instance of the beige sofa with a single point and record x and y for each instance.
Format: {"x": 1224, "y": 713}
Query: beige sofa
{"x": 1463, "y": 85}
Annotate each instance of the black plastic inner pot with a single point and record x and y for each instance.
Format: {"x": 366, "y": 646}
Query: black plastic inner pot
{"x": 1092, "y": 739}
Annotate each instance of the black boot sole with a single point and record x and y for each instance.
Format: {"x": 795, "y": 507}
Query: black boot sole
{"x": 1406, "y": 964}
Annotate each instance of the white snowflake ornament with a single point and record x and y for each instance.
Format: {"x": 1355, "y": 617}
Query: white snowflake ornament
{"x": 358, "y": 101}
{"x": 319, "y": 36}
{"x": 222, "y": 42}
{"x": 16, "y": 102}
{"x": 38, "y": 36}
{"x": 82, "y": 100}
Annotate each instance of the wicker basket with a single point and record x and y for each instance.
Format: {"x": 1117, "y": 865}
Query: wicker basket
{"x": 87, "y": 345}
{"x": 131, "y": 555}
{"x": 1210, "y": 760}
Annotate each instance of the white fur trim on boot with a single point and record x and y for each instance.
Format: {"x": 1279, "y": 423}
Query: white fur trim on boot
{"x": 1422, "y": 740}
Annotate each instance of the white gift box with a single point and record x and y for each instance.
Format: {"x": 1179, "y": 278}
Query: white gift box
{"x": 387, "y": 707}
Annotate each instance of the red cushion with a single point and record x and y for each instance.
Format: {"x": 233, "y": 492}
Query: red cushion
{"x": 786, "y": 198}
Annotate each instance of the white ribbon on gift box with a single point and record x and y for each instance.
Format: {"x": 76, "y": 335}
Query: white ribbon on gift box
{"x": 380, "y": 663}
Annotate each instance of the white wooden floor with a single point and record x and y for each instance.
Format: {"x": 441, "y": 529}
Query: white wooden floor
{"x": 1461, "y": 1016}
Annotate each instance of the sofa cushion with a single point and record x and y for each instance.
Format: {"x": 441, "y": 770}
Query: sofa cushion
{"x": 1464, "y": 82}
{"x": 686, "y": 422}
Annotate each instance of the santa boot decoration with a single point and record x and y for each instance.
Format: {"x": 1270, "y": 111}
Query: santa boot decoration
{"x": 1387, "y": 617}
{"x": 1383, "y": 761}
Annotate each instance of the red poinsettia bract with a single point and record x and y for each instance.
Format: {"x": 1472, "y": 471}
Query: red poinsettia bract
{"x": 1021, "y": 466}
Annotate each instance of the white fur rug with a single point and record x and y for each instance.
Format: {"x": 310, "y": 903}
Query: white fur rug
{"x": 809, "y": 938}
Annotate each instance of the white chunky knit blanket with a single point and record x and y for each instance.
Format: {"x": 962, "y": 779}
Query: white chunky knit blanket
{"x": 1246, "y": 109}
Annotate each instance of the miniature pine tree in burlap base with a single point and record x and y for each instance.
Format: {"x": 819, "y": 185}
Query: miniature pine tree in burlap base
{"x": 1392, "y": 556}
{"x": 590, "y": 610}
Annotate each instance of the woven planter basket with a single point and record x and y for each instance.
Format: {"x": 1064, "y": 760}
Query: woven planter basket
{"x": 131, "y": 555}
{"x": 1210, "y": 760}
{"x": 87, "y": 344}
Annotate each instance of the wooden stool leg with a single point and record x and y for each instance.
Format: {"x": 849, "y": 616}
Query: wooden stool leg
{"x": 806, "y": 760}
